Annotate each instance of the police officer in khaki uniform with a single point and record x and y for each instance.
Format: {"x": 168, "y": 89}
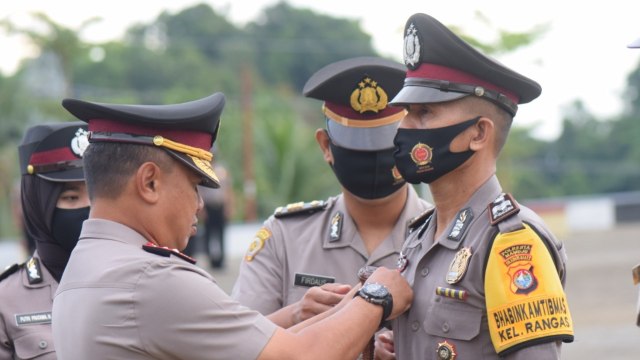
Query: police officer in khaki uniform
{"x": 322, "y": 244}
{"x": 55, "y": 203}
{"x": 129, "y": 290}
{"x": 487, "y": 273}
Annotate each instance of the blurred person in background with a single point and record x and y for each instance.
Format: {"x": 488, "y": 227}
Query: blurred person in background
{"x": 54, "y": 204}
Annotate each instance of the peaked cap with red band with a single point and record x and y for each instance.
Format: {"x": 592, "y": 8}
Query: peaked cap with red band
{"x": 443, "y": 67}
{"x": 53, "y": 151}
{"x": 356, "y": 93}
{"x": 186, "y": 131}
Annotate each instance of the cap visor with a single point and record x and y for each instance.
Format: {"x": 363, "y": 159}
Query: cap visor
{"x": 68, "y": 175}
{"x": 363, "y": 139}
{"x": 202, "y": 167}
{"x": 423, "y": 95}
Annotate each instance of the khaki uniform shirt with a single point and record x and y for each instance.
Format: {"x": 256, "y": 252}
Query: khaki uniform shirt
{"x": 118, "y": 301}
{"x": 301, "y": 252}
{"x": 26, "y": 297}
{"x": 434, "y": 319}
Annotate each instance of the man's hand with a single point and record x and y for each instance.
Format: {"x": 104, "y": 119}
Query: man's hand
{"x": 384, "y": 346}
{"x": 317, "y": 300}
{"x": 398, "y": 287}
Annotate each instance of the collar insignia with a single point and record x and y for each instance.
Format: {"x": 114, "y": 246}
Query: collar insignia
{"x": 34, "y": 274}
{"x": 462, "y": 223}
{"x": 335, "y": 230}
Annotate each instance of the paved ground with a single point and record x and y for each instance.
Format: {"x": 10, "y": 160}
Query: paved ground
{"x": 599, "y": 287}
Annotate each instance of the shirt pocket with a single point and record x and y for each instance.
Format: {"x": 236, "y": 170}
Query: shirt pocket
{"x": 35, "y": 345}
{"x": 453, "y": 320}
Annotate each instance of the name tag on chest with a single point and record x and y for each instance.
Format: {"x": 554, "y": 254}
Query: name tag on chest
{"x": 34, "y": 318}
{"x": 309, "y": 280}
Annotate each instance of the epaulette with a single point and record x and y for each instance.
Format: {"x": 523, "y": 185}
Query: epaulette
{"x": 502, "y": 208}
{"x": 300, "y": 208}
{"x": 9, "y": 270}
{"x": 417, "y": 221}
{"x": 166, "y": 252}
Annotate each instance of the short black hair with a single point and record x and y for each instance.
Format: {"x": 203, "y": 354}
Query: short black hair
{"x": 502, "y": 120}
{"x": 108, "y": 166}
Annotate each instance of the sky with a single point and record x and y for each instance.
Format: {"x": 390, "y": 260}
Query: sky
{"x": 583, "y": 56}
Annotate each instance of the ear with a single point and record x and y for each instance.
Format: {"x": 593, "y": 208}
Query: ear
{"x": 148, "y": 180}
{"x": 482, "y": 134}
{"x": 322, "y": 137}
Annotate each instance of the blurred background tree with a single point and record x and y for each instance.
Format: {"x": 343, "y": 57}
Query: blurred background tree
{"x": 266, "y": 138}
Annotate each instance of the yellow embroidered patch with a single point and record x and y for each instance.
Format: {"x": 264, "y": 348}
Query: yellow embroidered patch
{"x": 524, "y": 296}
{"x": 257, "y": 244}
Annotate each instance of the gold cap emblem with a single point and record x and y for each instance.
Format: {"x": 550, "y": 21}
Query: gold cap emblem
{"x": 368, "y": 96}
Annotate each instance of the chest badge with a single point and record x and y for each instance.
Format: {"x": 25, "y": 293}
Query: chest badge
{"x": 458, "y": 266}
{"x": 446, "y": 351}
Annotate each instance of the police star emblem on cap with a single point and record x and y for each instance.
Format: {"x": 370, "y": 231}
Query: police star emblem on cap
{"x": 186, "y": 131}
{"x": 53, "y": 151}
{"x": 443, "y": 67}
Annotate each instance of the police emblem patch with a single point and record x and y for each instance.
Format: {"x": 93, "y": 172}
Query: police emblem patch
{"x": 80, "y": 142}
{"x": 446, "y": 351}
{"x": 335, "y": 230}
{"x": 459, "y": 265}
{"x": 411, "y": 47}
{"x": 421, "y": 154}
{"x": 257, "y": 244}
{"x": 368, "y": 96}
{"x": 523, "y": 281}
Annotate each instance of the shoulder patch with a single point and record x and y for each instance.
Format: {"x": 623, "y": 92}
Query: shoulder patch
{"x": 257, "y": 244}
{"x": 417, "y": 221}
{"x": 9, "y": 270}
{"x": 166, "y": 252}
{"x": 503, "y": 207}
{"x": 300, "y": 208}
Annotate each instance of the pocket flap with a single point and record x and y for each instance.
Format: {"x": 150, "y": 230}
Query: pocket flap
{"x": 35, "y": 344}
{"x": 453, "y": 321}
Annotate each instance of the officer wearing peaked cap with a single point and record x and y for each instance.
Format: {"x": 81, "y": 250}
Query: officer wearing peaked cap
{"x": 304, "y": 254}
{"x": 54, "y": 203}
{"x": 487, "y": 273}
{"x": 131, "y": 292}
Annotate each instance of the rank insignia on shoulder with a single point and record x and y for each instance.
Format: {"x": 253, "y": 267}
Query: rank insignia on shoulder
{"x": 335, "y": 230}
{"x": 462, "y": 223}
{"x": 502, "y": 208}
{"x": 8, "y": 271}
{"x": 257, "y": 244}
{"x": 417, "y": 221}
{"x": 299, "y": 208}
{"x": 34, "y": 274}
{"x": 166, "y": 252}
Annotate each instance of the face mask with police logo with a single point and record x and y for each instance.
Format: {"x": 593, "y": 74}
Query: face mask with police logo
{"x": 366, "y": 174}
{"x": 66, "y": 226}
{"x": 423, "y": 155}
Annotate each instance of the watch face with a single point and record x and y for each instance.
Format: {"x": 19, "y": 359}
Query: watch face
{"x": 376, "y": 290}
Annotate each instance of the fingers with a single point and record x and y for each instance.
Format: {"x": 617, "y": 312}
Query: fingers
{"x": 384, "y": 346}
{"x": 319, "y": 299}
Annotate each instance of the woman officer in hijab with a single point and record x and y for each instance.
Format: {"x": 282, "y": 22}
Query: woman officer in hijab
{"x": 54, "y": 205}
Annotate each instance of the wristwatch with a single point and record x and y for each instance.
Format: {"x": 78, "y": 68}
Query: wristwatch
{"x": 377, "y": 294}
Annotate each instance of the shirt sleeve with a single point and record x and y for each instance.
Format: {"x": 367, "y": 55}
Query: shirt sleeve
{"x": 260, "y": 284}
{"x": 550, "y": 350}
{"x": 184, "y": 314}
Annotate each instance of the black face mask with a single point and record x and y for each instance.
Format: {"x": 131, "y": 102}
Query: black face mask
{"x": 366, "y": 174}
{"x": 66, "y": 226}
{"x": 423, "y": 155}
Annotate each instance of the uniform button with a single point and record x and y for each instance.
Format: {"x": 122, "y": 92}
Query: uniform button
{"x": 43, "y": 344}
{"x": 445, "y": 327}
{"x": 415, "y": 326}
{"x": 424, "y": 272}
